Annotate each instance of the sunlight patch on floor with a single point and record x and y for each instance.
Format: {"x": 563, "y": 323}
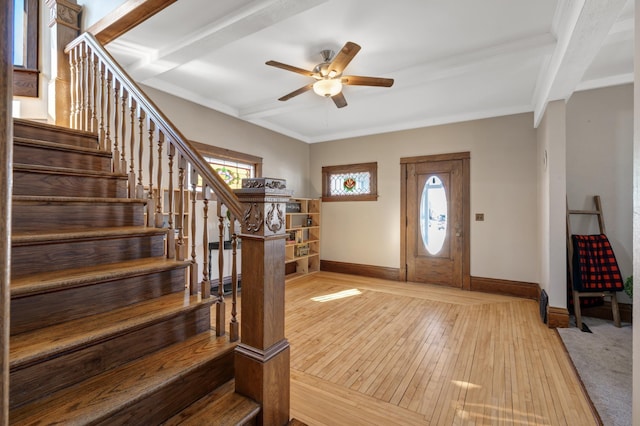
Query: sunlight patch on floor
{"x": 336, "y": 296}
{"x": 465, "y": 385}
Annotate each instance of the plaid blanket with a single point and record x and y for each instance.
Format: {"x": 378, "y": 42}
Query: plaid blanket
{"x": 594, "y": 265}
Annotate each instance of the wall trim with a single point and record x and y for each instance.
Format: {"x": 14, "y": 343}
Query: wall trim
{"x": 505, "y": 287}
{"x": 557, "y": 317}
{"x": 371, "y": 271}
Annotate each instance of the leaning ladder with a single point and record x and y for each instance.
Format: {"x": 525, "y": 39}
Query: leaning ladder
{"x": 578, "y": 294}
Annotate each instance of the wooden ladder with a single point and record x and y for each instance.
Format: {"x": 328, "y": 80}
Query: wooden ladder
{"x": 578, "y": 294}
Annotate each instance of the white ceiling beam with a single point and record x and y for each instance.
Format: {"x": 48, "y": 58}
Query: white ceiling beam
{"x": 250, "y": 19}
{"x": 581, "y": 27}
{"x": 437, "y": 69}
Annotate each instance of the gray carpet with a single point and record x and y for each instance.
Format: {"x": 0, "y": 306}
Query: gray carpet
{"x": 603, "y": 360}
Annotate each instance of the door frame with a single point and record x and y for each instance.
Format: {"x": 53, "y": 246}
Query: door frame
{"x": 466, "y": 210}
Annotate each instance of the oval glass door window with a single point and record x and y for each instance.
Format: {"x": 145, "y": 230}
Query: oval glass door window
{"x": 433, "y": 215}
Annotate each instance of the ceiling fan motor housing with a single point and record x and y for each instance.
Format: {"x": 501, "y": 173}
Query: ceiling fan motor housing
{"x": 329, "y": 77}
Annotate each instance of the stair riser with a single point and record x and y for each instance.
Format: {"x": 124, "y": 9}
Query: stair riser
{"x": 42, "y": 310}
{"x": 44, "y": 216}
{"x": 53, "y": 184}
{"x": 55, "y": 256}
{"x": 46, "y": 156}
{"x": 64, "y": 136}
{"x": 36, "y": 381}
{"x": 177, "y": 395}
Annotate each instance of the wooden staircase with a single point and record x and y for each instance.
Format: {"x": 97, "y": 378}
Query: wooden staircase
{"x": 102, "y": 328}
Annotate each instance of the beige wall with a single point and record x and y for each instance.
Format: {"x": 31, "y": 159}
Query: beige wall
{"x": 283, "y": 157}
{"x": 599, "y": 162}
{"x": 503, "y": 187}
{"x": 551, "y": 165}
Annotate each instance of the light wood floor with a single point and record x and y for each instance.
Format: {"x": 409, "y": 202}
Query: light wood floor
{"x": 374, "y": 352}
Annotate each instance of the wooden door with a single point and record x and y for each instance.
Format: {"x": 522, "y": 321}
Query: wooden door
{"x": 436, "y": 223}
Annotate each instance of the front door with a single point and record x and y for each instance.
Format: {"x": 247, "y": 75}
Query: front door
{"x": 436, "y": 228}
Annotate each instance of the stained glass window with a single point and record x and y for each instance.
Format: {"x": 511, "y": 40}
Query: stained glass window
{"x": 353, "y": 182}
{"x": 350, "y": 184}
{"x": 232, "y": 172}
{"x": 231, "y": 166}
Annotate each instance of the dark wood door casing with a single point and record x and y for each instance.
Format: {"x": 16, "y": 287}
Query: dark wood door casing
{"x": 409, "y": 163}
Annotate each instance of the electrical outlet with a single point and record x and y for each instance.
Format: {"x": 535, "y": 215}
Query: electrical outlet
{"x": 479, "y": 217}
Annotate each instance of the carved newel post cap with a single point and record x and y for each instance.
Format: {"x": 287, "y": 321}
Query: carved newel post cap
{"x": 264, "y": 205}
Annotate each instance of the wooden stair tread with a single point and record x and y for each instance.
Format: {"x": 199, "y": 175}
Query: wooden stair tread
{"x": 92, "y": 200}
{"x": 69, "y": 278}
{"x": 32, "y": 346}
{"x": 35, "y": 237}
{"x": 222, "y": 407}
{"x": 34, "y": 168}
{"x": 61, "y": 147}
{"x": 24, "y": 122}
{"x": 102, "y": 396}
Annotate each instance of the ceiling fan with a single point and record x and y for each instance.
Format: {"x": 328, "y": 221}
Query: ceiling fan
{"x": 328, "y": 75}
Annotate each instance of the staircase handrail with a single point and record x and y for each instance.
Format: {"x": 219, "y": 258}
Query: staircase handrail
{"x": 182, "y": 144}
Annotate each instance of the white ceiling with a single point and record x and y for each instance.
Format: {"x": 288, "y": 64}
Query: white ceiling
{"x": 452, "y": 60}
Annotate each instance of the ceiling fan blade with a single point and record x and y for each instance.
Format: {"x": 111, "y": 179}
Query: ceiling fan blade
{"x": 343, "y": 57}
{"x": 291, "y": 68}
{"x": 339, "y": 100}
{"x": 358, "y": 80}
{"x": 296, "y": 92}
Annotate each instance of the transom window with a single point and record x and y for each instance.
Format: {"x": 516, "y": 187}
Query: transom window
{"x": 232, "y": 172}
{"x": 232, "y": 166}
{"x": 351, "y": 182}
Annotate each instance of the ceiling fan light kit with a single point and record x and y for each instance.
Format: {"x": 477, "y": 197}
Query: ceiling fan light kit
{"x": 328, "y": 87}
{"x": 329, "y": 75}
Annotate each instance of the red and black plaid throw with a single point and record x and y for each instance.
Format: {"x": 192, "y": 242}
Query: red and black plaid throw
{"x": 594, "y": 265}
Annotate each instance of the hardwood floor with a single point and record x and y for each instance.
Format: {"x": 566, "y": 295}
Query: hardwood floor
{"x": 374, "y": 352}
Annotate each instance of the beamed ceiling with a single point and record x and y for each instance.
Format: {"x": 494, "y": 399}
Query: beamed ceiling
{"x": 452, "y": 60}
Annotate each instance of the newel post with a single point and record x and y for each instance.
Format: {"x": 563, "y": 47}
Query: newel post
{"x": 65, "y": 27}
{"x": 262, "y": 356}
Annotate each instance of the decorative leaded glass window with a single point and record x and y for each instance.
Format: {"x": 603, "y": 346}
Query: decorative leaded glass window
{"x": 232, "y": 172}
{"x": 232, "y": 166}
{"x": 351, "y": 182}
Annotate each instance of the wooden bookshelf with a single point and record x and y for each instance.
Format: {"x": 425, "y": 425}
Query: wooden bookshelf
{"x": 302, "y": 251}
